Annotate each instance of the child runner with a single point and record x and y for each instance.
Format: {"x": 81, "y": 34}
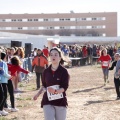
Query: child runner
{"x": 55, "y": 82}
{"x": 105, "y": 61}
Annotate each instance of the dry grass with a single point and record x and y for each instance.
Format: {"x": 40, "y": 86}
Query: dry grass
{"x": 88, "y": 99}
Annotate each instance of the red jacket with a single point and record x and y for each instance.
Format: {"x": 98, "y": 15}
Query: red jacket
{"x": 105, "y": 60}
{"x": 14, "y": 68}
{"x": 84, "y": 51}
{"x": 46, "y": 52}
{"x": 60, "y": 77}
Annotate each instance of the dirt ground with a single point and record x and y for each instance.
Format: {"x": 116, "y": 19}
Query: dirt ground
{"x": 88, "y": 99}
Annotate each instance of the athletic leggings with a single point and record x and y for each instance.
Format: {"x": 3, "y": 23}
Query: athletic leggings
{"x": 11, "y": 93}
{"x": 4, "y": 87}
{"x": 1, "y": 94}
{"x": 38, "y": 75}
{"x": 117, "y": 86}
{"x": 105, "y": 72}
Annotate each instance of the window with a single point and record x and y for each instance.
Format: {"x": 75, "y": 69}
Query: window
{"x": 83, "y": 18}
{"x": 78, "y": 19}
{"x": 29, "y": 19}
{"x": 72, "y": 27}
{"x": 56, "y": 27}
{"x": 2, "y": 28}
{"x": 72, "y": 35}
{"x": 88, "y": 27}
{"x": 77, "y": 27}
{"x": 45, "y": 19}
{"x": 88, "y": 19}
{"x": 3, "y": 20}
{"x": 19, "y": 19}
{"x": 25, "y": 28}
{"x": 61, "y": 27}
{"x": 30, "y": 28}
{"x": 103, "y": 34}
{"x": 67, "y": 27}
{"x": 89, "y": 35}
{"x": 61, "y": 19}
{"x": 40, "y": 28}
{"x": 56, "y": 19}
{"x": 67, "y": 19}
{"x": 46, "y": 28}
{"x": 72, "y": 19}
{"x": 14, "y": 28}
{"x": 103, "y": 18}
{"x": 8, "y": 28}
{"x": 35, "y": 19}
{"x": 82, "y": 27}
{"x": 19, "y": 28}
{"x": 35, "y": 28}
{"x": 40, "y": 20}
{"x": 8, "y": 20}
{"x": 51, "y": 19}
{"x": 24, "y": 20}
{"x": 94, "y": 18}
{"x": 94, "y": 27}
{"x": 104, "y": 26}
{"x": 13, "y": 20}
{"x": 51, "y": 27}
{"x": 99, "y": 27}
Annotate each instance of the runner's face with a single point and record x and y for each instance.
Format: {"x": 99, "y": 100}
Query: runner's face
{"x": 12, "y": 52}
{"x": 104, "y": 52}
{"x": 117, "y": 57}
{"x": 39, "y": 52}
{"x": 55, "y": 57}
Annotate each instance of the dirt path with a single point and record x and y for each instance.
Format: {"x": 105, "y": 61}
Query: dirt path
{"x": 87, "y": 97}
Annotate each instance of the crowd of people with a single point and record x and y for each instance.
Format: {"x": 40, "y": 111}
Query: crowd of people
{"x": 52, "y": 78}
{"x": 87, "y": 53}
{"x": 11, "y": 69}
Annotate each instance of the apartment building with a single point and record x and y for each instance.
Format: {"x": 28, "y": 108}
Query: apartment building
{"x": 63, "y": 24}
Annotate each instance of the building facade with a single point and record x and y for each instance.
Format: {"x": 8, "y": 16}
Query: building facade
{"x": 63, "y": 24}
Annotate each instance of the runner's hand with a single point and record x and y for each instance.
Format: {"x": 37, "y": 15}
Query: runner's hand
{"x": 51, "y": 90}
{"x": 35, "y": 97}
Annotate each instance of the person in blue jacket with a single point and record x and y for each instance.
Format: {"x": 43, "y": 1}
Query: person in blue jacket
{"x": 4, "y": 76}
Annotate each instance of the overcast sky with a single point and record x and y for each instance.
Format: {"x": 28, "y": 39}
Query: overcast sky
{"x": 60, "y": 6}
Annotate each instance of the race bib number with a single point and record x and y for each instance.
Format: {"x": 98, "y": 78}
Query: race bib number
{"x": 105, "y": 63}
{"x": 54, "y": 96}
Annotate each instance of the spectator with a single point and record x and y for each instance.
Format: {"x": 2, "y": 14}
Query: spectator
{"x": 39, "y": 62}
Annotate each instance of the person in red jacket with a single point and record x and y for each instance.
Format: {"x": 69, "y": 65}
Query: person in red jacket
{"x": 13, "y": 68}
{"x": 55, "y": 82}
{"x": 46, "y": 51}
{"x": 105, "y": 61}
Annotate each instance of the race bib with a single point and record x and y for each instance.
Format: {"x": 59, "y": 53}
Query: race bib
{"x": 105, "y": 63}
{"x": 54, "y": 96}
